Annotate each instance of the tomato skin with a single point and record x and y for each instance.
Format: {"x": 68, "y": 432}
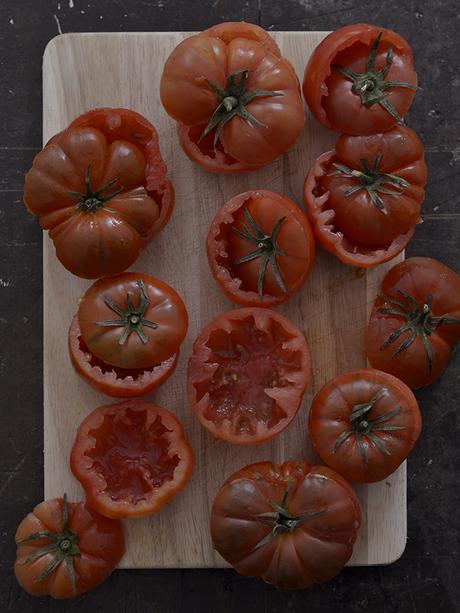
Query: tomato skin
{"x": 119, "y": 383}
{"x": 296, "y": 239}
{"x": 419, "y": 278}
{"x": 328, "y": 93}
{"x": 247, "y": 375}
{"x": 214, "y": 55}
{"x": 112, "y": 437}
{"x": 165, "y": 309}
{"x": 330, "y": 417}
{"x": 101, "y": 543}
{"x": 321, "y": 217}
{"x": 315, "y": 551}
{"x": 113, "y": 144}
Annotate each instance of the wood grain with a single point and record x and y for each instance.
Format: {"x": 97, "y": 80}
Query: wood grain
{"x": 83, "y": 71}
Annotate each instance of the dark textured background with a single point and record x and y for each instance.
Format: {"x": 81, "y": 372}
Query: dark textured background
{"x": 426, "y": 578}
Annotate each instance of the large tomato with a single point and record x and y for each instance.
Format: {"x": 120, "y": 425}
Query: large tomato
{"x": 126, "y": 336}
{"x": 237, "y": 101}
{"x": 100, "y": 188}
{"x": 292, "y": 525}
{"x": 131, "y": 458}
{"x": 247, "y": 375}
{"x": 364, "y": 423}
{"x": 415, "y": 322}
{"x": 364, "y": 197}
{"x": 360, "y": 79}
{"x": 260, "y": 248}
{"x": 65, "y": 549}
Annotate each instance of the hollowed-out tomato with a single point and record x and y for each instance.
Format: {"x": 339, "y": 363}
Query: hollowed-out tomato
{"x": 260, "y": 248}
{"x": 65, "y": 549}
{"x": 100, "y": 188}
{"x": 360, "y": 79}
{"x": 126, "y": 336}
{"x": 291, "y": 525}
{"x": 131, "y": 458}
{"x": 247, "y": 375}
{"x": 364, "y": 423}
{"x": 415, "y": 322}
{"x": 364, "y": 197}
{"x": 236, "y": 100}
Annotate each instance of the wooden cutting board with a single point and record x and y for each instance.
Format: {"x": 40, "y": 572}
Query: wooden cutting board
{"x": 83, "y": 71}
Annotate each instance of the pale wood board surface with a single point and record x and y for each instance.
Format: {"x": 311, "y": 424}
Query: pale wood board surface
{"x": 84, "y": 71}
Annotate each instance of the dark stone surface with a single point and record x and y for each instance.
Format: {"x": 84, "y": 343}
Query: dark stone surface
{"x": 426, "y": 578}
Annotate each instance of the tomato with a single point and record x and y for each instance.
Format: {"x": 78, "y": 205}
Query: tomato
{"x": 100, "y": 188}
{"x": 65, "y": 549}
{"x": 415, "y": 322}
{"x": 364, "y": 424}
{"x": 247, "y": 375}
{"x": 260, "y": 248}
{"x": 131, "y": 458}
{"x": 126, "y": 336}
{"x": 292, "y": 525}
{"x": 360, "y": 79}
{"x": 364, "y": 197}
{"x": 236, "y": 100}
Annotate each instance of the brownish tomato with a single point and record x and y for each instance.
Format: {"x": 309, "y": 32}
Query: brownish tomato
{"x": 364, "y": 197}
{"x": 100, "y": 188}
{"x": 360, "y": 79}
{"x": 260, "y": 248}
{"x": 65, "y": 549}
{"x": 292, "y": 525}
{"x": 131, "y": 458}
{"x": 126, "y": 336}
{"x": 415, "y": 322}
{"x": 364, "y": 424}
{"x": 247, "y": 375}
{"x": 236, "y": 100}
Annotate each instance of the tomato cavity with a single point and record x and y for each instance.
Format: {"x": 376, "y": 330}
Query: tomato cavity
{"x": 131, "y": 455}
{"x": 206, "y": 145}
{"x": 249, "y": 365}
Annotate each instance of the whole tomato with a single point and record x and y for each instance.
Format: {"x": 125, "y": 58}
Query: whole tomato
{"x": 126, "y": 336}
{"x": 364, "y": 197}
{"x": 360, "y": 79}
{"x": 291, "y": 525}
{"x": 130, "y": 458}
{"x": 247, "y": 375}
{"x": 364, "y": 424}
{"x": 65, "y": 549}
{"x": 100, "y": 188}
{"x": 415, "y": 322}
{"x": 260, "y": 248}
{"x": 236, "y": 100}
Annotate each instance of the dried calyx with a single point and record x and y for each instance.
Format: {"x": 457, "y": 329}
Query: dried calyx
{"x": 132, "y": 318}
{"x": 91, "y": 201}
{"x": 266, "y": 249}
{"x": 280, "y": 520}
{"x": 63, "y": 546}
{"x": 233, "y": 100}
{"x": 362, "y": 425}
{"x": 419, "y": 321}
{"x": 371, "y": 84}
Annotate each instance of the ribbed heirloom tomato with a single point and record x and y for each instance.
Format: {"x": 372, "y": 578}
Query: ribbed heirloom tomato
{"x": 360, "y": 79}
{"x": 364, "y": 423}
{"x": 292, "y": 525}
{"x": 415, "y": 322}
{"x": 247, "y": 375}
{"x": 364, "y": 197}
{"x": 65, "y": 549}
{"x": 100, "y": 188}
{"x": 260, "y": 248}
{"x": 131, "y": 458}
{"x": 126, "y": 336}
{"x": 236, "y": 100}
